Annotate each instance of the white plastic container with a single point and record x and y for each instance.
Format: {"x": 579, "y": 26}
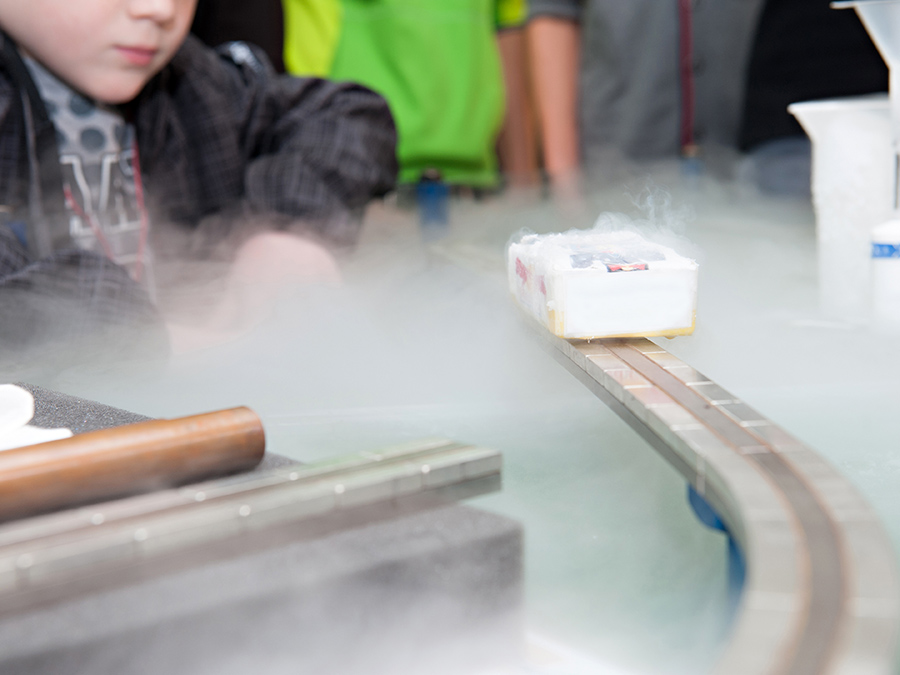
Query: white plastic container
{"x": 853, "y": 190}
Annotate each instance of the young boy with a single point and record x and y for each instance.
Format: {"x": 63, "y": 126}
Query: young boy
{"x": 113, "y": 122}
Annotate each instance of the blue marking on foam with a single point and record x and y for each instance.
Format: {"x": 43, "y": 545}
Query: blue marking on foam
{"x": 885, "y": 250}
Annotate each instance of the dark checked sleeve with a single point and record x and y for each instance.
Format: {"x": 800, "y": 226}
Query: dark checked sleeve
{"x": 72, "y": 307}
{"x": 306, "y": 148}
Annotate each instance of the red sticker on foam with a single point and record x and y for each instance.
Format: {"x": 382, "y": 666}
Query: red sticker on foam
{"x": 521, "y": 271}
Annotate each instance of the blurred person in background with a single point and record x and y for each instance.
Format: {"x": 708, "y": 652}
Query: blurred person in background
{"x": 636, "y": 80}
{"x": 438, "y": 65}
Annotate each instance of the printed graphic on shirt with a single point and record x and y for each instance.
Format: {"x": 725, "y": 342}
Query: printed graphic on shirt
{"x": 96, "y": 155}
{"x": 104, "y": 215}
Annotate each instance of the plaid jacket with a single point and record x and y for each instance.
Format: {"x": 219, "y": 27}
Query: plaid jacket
{"x": 216, "y": 131}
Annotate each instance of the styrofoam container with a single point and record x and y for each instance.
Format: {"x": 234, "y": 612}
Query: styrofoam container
{"x": 587, "y": 284}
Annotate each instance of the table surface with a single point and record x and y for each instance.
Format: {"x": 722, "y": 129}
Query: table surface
{"x": 424, "y": 340}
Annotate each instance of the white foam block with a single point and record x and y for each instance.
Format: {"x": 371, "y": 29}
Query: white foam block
{"x": 16, "y": 411}
{"x": 29, "y": 435}
{"x": 16, "y": 408}
{"x": 591, "y": 284}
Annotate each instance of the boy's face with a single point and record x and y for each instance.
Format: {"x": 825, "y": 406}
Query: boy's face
{"x": 106, "y": 49}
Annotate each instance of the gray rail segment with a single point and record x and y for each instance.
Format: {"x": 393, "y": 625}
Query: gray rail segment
{"x": 821, "y": 593}
{"x": 46, "y": 558}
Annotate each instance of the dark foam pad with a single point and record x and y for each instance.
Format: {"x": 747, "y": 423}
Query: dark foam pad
{"x": 439, "y": 590}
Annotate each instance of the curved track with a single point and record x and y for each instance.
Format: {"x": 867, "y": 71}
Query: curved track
{"x": 821, "y": 594}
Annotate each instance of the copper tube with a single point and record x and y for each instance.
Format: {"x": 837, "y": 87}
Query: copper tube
{"x": 127, "y": 460}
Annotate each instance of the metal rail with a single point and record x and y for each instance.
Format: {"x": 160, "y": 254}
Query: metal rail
{"x": 48, "y": 558}
{"x": 821, "y": 594}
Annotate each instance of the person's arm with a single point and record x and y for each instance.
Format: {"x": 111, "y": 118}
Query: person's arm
{"x": 329, "y": 151}
{"x": 517, "y": 144}
{"x": 304, "y": 148}
{"x": 554, "y": 46}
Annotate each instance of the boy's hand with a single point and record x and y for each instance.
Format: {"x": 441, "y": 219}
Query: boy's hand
{"x": 263, "y": 267}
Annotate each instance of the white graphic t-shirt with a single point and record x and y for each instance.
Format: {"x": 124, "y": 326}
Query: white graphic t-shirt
{"x": 97, "y": 157}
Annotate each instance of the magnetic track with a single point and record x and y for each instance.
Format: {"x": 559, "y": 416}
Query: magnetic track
{"x": 65, "y": 554}
{"x": 813, "y": 600}
{"x": 827, "y": 574}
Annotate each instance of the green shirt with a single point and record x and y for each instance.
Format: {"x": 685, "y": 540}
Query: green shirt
{"x": 435, "y": 61}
